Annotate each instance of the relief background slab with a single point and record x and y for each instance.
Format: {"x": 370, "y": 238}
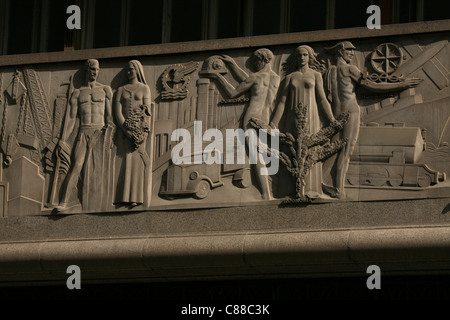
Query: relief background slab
{"x": 424, "y": 107}
{"x": 180, "y": 240}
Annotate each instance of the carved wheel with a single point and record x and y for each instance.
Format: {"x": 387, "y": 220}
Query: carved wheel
{"x": 395, "y": 180}
{"x": 203, "y": 189}
{"x": 424, "y": 181}
{"x": 386, "y": 58}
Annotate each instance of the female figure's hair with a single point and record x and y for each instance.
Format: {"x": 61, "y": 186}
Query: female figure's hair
{"x": 139, "y": 71}
{"x": 291, "y": 63}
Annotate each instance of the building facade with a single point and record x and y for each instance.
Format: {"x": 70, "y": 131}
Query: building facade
{"x": 222, "y": 140}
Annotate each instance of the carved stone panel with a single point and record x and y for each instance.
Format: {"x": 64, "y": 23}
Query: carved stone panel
{"x": 353, "y": 120}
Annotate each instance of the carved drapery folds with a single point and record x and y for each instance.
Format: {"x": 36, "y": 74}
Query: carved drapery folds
{"x": 134, "y": 116}
{"x": 353, "y": 121}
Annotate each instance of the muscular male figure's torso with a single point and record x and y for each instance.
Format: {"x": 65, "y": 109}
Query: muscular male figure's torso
{"x": 347, "y": 75}
{"x": 91, "y": 105}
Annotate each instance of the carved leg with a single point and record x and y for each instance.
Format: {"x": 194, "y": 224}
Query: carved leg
{"x": 74, "y": 174}
{"x": 263, "y": 182}
{"x": 351, "y": 132}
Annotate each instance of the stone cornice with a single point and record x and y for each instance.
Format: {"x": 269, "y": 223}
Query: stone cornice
{"x": 402, "y": 250}
{"x": 232, "y": 43}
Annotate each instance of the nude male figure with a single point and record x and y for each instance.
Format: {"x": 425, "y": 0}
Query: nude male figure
{"x": 262, "y": 85}
{"x": 343, "y": 79}
{"x": 91, "y": 103}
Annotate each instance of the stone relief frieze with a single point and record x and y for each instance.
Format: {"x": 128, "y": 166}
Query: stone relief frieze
{"x": 346, "y": 121}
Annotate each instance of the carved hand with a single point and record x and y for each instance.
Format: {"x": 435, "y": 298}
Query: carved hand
{"x": 110, "y": 124}
{"x": 62, "y": 147}
{"x": 227, "y": 59}
{"x": 412, "y": 82}
{"x": 128, "y": 134}
{"x": 62, "y": 152}
{"x": 145, "y": 109}
{"x": 333, "y": 122}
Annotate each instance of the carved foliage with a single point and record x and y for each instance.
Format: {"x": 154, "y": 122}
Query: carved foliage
{"x": 305, "y": 150}
{"x": 137, "y": 124}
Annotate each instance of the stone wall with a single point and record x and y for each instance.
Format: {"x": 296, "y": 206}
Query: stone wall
{"x": 88, "y": 172}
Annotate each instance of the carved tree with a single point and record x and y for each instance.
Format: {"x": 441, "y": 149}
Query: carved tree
{"x": 305, "y": 150}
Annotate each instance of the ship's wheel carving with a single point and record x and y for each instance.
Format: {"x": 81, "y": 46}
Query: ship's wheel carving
{"x": 386, "y": 58}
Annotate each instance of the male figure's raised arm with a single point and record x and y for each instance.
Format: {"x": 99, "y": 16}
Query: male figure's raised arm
{"x": 232, "y": 92}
